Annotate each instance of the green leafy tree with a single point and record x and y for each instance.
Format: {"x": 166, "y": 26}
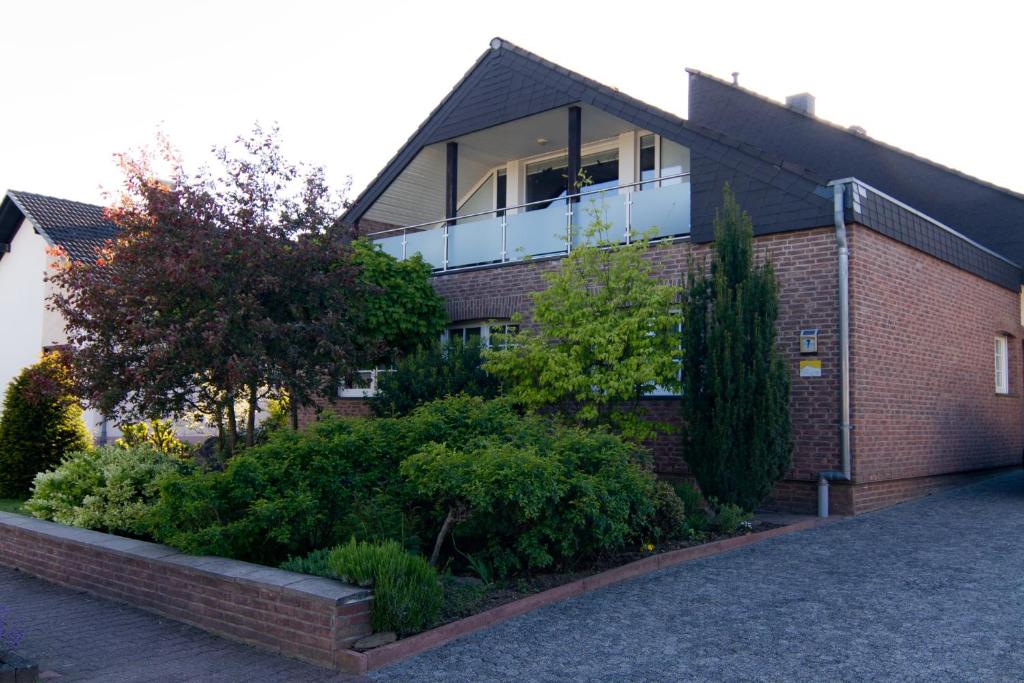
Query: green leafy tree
{"x": 735, "y": 384}
{"x": 399, "y": 305}
{"x": 41, "y": 422}
{"x": 606, "y": 334}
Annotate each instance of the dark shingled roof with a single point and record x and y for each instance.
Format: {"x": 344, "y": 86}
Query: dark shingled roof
{"x": 79, "y": 228}
{"x": 988, "y": 214}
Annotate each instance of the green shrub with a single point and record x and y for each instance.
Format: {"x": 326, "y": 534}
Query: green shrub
{"x": 669, "y": 513}
{"x": 317, "y": 487}
{"x": 690, "y": 495}
{"x": 159, "y": 434}
{"x": 695, "y": 524}
{"x": 111, "y": 488}
{"x": 729, "y": 517}
{"x": 432, "y": 373}
{"x": 41, "y": 422}
{"x": 407, "y": 595}
{"x": 540, "y": 496}
{"x": 314, "y": 564}
{"x": 530, "y": 494}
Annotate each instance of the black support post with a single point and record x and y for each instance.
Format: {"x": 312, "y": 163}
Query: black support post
{"x": 575, "y": 142}
{"x": 451, "y": 182}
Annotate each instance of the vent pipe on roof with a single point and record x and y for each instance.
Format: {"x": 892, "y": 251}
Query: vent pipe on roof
{"x": 802, "y": 102}
{"x": 735, "y": 77}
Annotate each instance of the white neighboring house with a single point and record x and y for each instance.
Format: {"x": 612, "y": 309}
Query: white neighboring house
{"x": 30, "y": 226}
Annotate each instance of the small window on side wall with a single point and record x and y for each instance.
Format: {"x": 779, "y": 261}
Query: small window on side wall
{"x": 1002, "y": 365}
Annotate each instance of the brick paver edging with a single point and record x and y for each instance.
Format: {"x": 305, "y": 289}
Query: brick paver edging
{"x": 380, "y": 657}
{"x": 309, "y": 618}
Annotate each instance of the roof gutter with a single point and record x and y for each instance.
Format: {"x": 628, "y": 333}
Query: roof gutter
{"x": 839, "y": 215}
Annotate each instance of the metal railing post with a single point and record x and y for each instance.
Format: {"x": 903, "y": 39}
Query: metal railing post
{"x": 444, "y": 265}
{"x": 629, "y": 215}
{"x": 504, "y": 237}
{"x": 568, "y": 226}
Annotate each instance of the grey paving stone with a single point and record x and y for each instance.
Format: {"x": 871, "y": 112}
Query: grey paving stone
{"x": 931, "y": 590}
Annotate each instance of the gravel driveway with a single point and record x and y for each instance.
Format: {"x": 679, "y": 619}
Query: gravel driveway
{"x": 928, "y": 590}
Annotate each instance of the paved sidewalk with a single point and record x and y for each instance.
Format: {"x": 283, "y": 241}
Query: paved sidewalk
{"x": 84, "y": 638}
{"x": 931, "y": 590}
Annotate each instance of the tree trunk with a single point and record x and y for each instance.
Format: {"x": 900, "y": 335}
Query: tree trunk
{"x": 441, "y": 535}
{"x": 250, "y": 426}
{"x": 293, "y": 408}
{"x": 232, "y": 424}
{"x": 222, "y": 437}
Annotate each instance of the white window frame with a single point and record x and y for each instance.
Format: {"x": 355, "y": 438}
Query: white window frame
{"x": 1002, "y": 364}
{"x": 362, "y": 392}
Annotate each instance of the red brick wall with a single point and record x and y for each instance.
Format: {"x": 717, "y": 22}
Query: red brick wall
{"x": 805, "y": 263}
{"x": 343, "y": 407}
{"x": 305, "y": 617}
{"x": 922, "y": 371}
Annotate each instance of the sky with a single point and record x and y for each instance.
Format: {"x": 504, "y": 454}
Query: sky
{"x": 349, "y": 82}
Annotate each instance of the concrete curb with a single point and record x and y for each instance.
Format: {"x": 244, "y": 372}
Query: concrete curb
{"x": 363, "y": 662}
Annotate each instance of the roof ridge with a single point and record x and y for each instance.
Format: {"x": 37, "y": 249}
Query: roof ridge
{"x": 858, "y": 136}
{"x": 59, "y": 199}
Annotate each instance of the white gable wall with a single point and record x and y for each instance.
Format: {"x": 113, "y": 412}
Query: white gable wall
{"x": 22, "y": 302}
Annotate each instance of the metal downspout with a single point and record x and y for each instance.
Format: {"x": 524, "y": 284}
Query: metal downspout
{"x": 844, "y": 355}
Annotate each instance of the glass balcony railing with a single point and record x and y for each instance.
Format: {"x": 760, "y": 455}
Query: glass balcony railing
{"x": 659, "y": 207}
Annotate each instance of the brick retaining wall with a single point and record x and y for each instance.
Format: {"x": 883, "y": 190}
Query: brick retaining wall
{"x": 300, "y": 616}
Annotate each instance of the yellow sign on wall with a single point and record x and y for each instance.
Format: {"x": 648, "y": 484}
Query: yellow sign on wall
{"x": 810, "y": 368}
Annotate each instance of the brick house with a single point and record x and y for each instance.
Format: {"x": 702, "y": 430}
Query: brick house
{"x": 916, "y": 262}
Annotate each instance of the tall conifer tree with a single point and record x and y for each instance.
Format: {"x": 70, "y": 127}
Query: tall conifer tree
{"x": 735, "y": 384}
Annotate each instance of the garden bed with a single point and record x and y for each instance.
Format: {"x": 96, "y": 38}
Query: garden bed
{"x": 467, "y": 596}
{"x": 502, "y": 606}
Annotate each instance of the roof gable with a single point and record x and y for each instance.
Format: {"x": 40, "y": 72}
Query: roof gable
{"x": 984, "y": 212}
{"x": 79, "y": 228}
{"x": 507, "y": 83}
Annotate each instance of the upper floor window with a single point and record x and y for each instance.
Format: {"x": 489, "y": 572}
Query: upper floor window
{"x": 660, "y": 158}
{"x": 548, "y": 179}
{"x": 478, "y": 332}
{"x": 1002, "y": 365}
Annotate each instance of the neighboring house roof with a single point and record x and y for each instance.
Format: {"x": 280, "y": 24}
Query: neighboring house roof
{"x": 79, "y": 228}
{"x": 508, "y": 83}
{"x": 989, "y": 214}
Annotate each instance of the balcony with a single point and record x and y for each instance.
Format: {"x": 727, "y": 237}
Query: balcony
{"x": 657, "y": 207}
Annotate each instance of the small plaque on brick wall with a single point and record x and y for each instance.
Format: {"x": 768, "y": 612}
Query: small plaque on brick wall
{"x": 810, "y": 368}
{"x": 809, "y": 340}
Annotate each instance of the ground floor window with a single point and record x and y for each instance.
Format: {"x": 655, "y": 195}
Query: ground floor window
{"x": 362, "y": 385}
{"x": 1002, "y": 366}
